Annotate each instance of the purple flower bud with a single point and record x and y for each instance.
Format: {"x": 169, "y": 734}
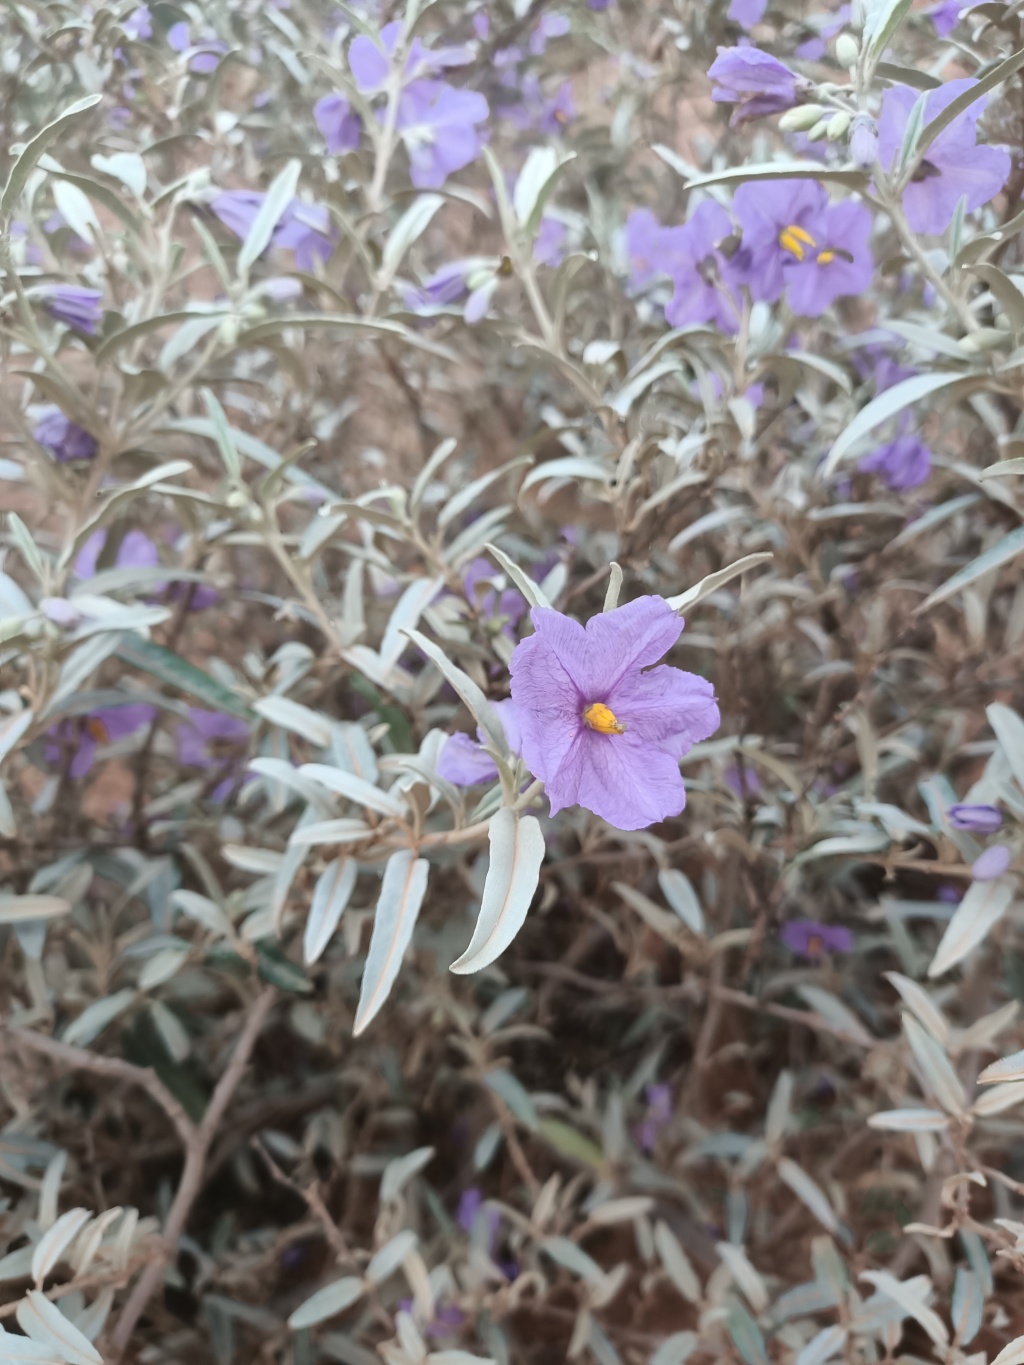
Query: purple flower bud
{"x": 901, "y": 464}
{"x": 976, "y": 818}
{"x": 864, "y": 141}
{"x": 757, "y": 83}
{"x": 74, "y": 305}
{"x": 64, "y": 439}
{"x": 992, "y": 863}
{"x": 339, "y": 126}
{"x": 808, "y": 938}
{"x": 139, "y": 24}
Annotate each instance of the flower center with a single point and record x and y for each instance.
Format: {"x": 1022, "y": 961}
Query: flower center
{"x": 795, "y": 239}
{"x": 602, "y": 719}
{"x": 826, "y": 257}
{"x": 96, "y": 730}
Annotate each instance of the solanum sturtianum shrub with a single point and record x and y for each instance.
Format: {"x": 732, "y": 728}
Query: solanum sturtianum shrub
{"x": 382, "y": 386}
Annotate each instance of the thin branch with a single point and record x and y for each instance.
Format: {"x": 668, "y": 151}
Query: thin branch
{"x": 79, "y": 1059}
{"x": 191, "y": 1183}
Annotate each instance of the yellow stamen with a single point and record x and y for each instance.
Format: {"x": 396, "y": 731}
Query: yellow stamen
{"x": 815, "y": 945}
{"x": 95, "y": 728}
{"x": 603, "y": 719}
{"x": 793, "y": 239}
{"x": 826, "y": 257}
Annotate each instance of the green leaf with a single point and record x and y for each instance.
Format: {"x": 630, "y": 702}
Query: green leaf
{"x": 994, "y": 557}
{"x": 278, "y": 197}
{"x": 516, "y": 855}
{"x": 481, "y": 709}
{"x": 571, "y": 1143}
{"x": 883, "y": 19}
{"x": 112, "y": 344}
{"x": 1010, "y": 299}
{"x": 907, "y": 75}
{"x": 34, "y": 149}
{"x": 887, "y": 405}
{"x": 174, "y": 671}
{"x": 276, "y": 970}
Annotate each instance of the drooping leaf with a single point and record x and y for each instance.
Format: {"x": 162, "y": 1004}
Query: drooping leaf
{"x": 401, "y": 895}
{"x": 516, "y": 855}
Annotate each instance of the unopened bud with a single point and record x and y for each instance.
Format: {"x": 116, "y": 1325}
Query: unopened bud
{"x": 818, "y": 131}
{"x": 864, "y": 141}
{"x": 837, "y": 126}
{"x": 847, "y": 50}
{"x": 985, "y": 339}
{"x": 797, "y": 120}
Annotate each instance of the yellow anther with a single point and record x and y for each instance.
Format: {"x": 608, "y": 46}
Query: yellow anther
{"x": 826, "y": 257}
{"x": 603, "y": 719}
{"x": 794, "y": 239}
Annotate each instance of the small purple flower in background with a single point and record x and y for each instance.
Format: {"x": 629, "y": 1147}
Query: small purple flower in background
{"x": 370, "y": 64}
{"x": 978, "y": 819}
{"x": 795, "y": 238}
{"x": 104, "y": 726}
{"x": 303, "y": 228}
{"x": 139, "y": 25}
{"x": 339, "y": 127}
{"x": 136, "y": 551}
{"x": 482, "y": 26}
{"x": 743, "y": 781}
{"x": 550, "y": 26}
{"x": 477, "y": 278}
{"x": 217, "y": 742}
{"x": 808, "y": 938}
{"x": 436, "y": 123}
{"x": 747, "y": 13}
{"x": 64, "y": 439}
{"x": 953, "y": 166}
{"x": 699, "y": 271}
{"x": 509, "y": 607}
{"x": 903, "y": 463}
{"x": 119, "y": 118}
{"x": 757, "y": 83}
{"x": 598, "y": 731}
{"x": 992, "y": 863}
{"x": 813, "y": 49}
{"x": 31, "y": 254}
{"x": 78, "y": 246}
{"x": 643, "y": 229}
{"x": 74, "y": 305}
{"x": 657, "y": 1117}
{"x": 549, "y": 246}
{"x": 179, "y": 37}
{"x": 473, "y": 1209}
{"x": 949, "y": 894}
{"x": 466, "y": 762}
{"x": 946, "y": 15}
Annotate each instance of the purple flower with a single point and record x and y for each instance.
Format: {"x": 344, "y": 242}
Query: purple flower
{"x": 216, "y": 742}
{"x": 813, "y": 49}
{"x": 179, "y": 37}
{"x": 339, "y": 126}
{"x": 139, "y": 24}
{"x": 599, "y": 732}
{"x": 471, "y": 1209}
{"x": 64, "y": 439}
{"x": 74, "y": 305}
{"x": 303, "y": 228}
{"x": 136, "y": 551}
{"x": 992, "y": 863}
{"x": 306, "y": 230}
{"x": 370, "y": 64}
{"x": 954, "y": 165}
{"x": 436, "y": 123}
{"x": 747, "y": 13}
{"x": 509, "y": 607}
{"x": 808, "y": 938}
{"x": 550, "y": 26}
{"x": 699, "y": 271}
{"x": 903, "y": 463}
{"x": 946, "y": 15}
{"x": 757, "y": 83}
{"x": 103, "y": 726}
{"x": 795, "y": 238}
{"x": 743, "y": 781}
{"x": 477, "y": 278}
{"x": 864, "y": 141}
{"x": 978, "y": 819}
{"x": 643, "y": 231}
{"x": 549, "y": 247}
{"x": 657, "y": 1117}
{"x": 466, "y": 762}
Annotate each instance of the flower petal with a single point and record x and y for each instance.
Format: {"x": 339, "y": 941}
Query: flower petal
{"x": 667, "y": 708}
{"x": 627, "y": 783}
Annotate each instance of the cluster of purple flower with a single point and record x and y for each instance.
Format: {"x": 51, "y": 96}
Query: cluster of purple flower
{"x": 303, "y": 228}
{"x": 435, "y": 121}
{"x": 785, "y": 236}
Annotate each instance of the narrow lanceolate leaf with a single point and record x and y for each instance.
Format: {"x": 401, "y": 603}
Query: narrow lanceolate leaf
{"x": 23, "y": 1351}
{"x": 517, "y": 852}
{"x": 1002, "y": 552}
{"x": 902, "y": 1294}
{"x": 1006, "y": 1069}
{"x": 1009, "y": 730}
{"x": 12, "y": 729}
{"x": 408, "y": 610}
{"x": 678, "y": 890}
{"x": 482, "y": 711}
{"x": 327, "y": 1302}
{"x": 54, "y": 1243}
{"x": 330, "y": 896}
{"x": 170, "y": 668}
{"x": 713, "y": 581}
{"x": 909, "y": 1120}
{"x": 530, "y": 590}
{"x": 886, "y": 405}
{"x": 355, "y": 789}
{"x": 401, "y": 895}
{"x": 34, "y": 149}
{"x": 278, "y": 197}
{"x": 809, "y": 1192}
{"x": 15, "y": 909}
{"x": 43, "y": 1321}
{"x": 935, "y": 1067}
{"x": 983, "y": 905}
{"x": 921, "y": 1003}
